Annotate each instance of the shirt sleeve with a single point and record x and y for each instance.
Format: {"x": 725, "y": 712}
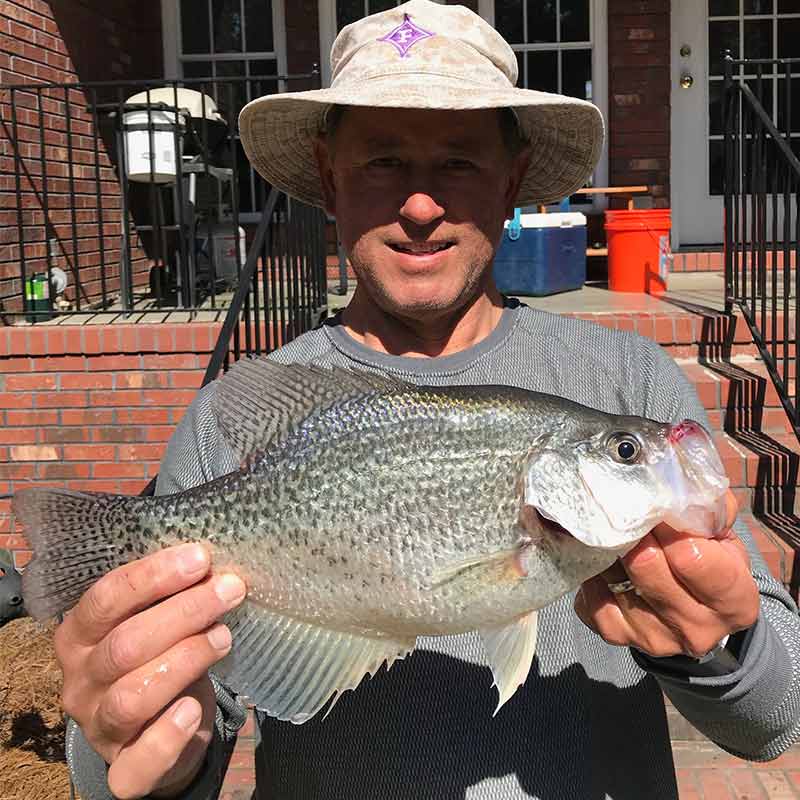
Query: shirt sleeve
{"x": 194, "y": 455}
{"x": 748, "y": 704}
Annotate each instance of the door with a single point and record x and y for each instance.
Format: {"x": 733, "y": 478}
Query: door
{"x": 701, "y": 32}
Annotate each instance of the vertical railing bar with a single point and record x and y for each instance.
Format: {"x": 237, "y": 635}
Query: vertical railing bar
{"x": 737, "y": 156}
{"x": 187, "y": 257}
{"x": 48, "y": 230}
{"x": 99, "y": 199}
{"x": 74, "y": 225}
{"x": 283, "y": 266}
{"x": 746, "y": 192}
{"x": 126, "y": 262}
{"x": 728, "y": 172}
{"x": 774, "y": 254}
{"x": 235, "y": 215}
{"x": 787, "y": 235}
{"x": 275, "y": 340}
{"x": 206, "y": 155}
{"x": 18, "y": 167}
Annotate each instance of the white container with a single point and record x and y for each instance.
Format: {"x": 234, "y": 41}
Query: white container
{"x": 139, "y": 153}
{"x": 225, "y": 265}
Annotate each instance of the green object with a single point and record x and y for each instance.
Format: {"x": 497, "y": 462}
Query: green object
{"x": 37, "y": 298}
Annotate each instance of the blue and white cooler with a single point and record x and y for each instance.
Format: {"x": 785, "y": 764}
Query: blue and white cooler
{"x": 542, "y": 254}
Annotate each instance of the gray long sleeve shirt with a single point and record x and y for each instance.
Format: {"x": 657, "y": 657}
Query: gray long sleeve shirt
{"x": 589, "y": 722}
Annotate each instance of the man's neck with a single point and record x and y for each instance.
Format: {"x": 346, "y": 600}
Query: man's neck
{"x": 439, "y": 335}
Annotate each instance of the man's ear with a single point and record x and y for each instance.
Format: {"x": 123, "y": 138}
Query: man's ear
{"x": 322, "y": 153}
{"x": 519, "y": 168}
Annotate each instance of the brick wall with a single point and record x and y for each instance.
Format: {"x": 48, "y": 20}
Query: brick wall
{"x": 92, "y": 407}
{"x": 53, "y": 143}
{"x": 639, "y": 94}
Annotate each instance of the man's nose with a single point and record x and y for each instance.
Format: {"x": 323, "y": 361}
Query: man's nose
{"x": 421, "y": 209}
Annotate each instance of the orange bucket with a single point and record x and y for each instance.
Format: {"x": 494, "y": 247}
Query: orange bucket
{"x": 638, "y": 250}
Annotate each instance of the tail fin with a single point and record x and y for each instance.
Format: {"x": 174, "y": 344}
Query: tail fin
{"x": 75, "y": 541}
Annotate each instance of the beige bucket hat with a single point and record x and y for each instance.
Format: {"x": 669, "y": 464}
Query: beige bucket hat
{"x": 424, "y": 55}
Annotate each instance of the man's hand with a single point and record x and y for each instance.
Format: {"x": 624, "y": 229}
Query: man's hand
{"x": 135, "y": 653}
{"x": 690, "y": 592}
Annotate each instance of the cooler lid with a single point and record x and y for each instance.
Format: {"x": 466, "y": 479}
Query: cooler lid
{"x": 559, "y": 219}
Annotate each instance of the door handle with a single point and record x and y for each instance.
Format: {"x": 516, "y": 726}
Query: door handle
{"x": 687, "y": 81}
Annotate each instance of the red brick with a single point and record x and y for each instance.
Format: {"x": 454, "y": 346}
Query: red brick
{"x": 665, "y": 332}
{"x": 714, "y": 784}
{"x": 186, "y": 380}
{"x": 15, "y": 400}
{"x": 89, "y": 380}
{"x": 124, "y": 397}
{"x": 17, "y": 435}
{"x": 65, "y": 435}
{"x": 80, "y": 416}
{"x": 60, "y": 364}
{"x": 30, "y": 383}
{"x": 37, "y": 341}
{"x": 22, "y": 558}
{"x": 115, "y": 363}
{"x": 34, "y": 453}
{"x": 143, "y": 416}
{"x": 172, "y": 361}
{"x": 17, "y": 472}
{"x": 745, "y": 786}
{"x": 139, "y": 452}
{"x": 115, "y": 470}
{"x": 131, "y": 487}
{"x": 89, "y": 452}
{"x": 14, "y": 417}
{"x": 141, "y": 380}
{"x": 776, "y": 785}
{"x": 168, "y": 397}
{"x": 119, "y": 433}
{"x": 159, "y": 433}
{"x": 64, "y": 472}
{"x": 61, "y": 399}
{"x": 13, "y": 541}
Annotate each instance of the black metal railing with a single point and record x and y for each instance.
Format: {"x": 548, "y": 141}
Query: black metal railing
{"x": 282, "y": 291}
{"x": 127, "y": 196}
{"x": 762, "y": 225}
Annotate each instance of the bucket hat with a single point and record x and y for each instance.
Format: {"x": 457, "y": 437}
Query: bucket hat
{"x": 424, "y": 55}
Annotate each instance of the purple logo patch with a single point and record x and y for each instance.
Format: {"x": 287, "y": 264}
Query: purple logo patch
{"x": 405, "y": 36}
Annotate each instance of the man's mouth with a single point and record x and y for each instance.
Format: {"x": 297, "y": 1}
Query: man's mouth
{"x": 420, "y": 248}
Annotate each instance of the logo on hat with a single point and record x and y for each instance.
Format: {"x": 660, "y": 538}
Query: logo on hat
{"x": 405, "y": 36}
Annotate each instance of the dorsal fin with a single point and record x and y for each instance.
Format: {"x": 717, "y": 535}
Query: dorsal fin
{"x": 259, "y": 400}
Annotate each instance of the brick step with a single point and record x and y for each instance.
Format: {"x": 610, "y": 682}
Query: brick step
{"x": 759, "y": 461}
{"x": 748, "y": 377}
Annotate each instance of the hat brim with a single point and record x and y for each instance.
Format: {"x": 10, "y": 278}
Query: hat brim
{"x": 278, "y": 131}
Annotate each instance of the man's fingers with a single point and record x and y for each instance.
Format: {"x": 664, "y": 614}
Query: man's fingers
{"x": 133, "y": 700}
{"x": 149, "y": 633}
{"x": 131, "y": 588}
{"x": 716, "y": 573}
{"x": 168, "y": 749}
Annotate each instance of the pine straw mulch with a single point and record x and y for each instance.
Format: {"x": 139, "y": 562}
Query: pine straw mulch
{"x": 32, "y": 759}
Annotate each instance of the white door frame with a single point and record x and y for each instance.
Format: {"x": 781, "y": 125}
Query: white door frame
{"x": 695, "y": 214}
{"x": 327, "y": 33}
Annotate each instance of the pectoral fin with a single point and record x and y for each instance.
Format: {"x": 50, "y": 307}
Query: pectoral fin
{"x": 510, "y": 652}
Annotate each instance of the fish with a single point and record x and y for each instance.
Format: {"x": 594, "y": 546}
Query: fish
{"x": 367, "y": 512}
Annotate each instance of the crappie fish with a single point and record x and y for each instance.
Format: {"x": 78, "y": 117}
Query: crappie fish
{"x": 368, "y": 512}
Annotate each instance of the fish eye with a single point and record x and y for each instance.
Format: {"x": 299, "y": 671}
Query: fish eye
{"x": 624, "y": 448}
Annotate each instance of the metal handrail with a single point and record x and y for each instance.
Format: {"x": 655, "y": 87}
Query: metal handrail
{"x": 762, "y": 222}
{"x": 246, "y": 276}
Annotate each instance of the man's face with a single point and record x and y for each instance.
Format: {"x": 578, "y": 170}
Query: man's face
{"x": 420, "y": 198}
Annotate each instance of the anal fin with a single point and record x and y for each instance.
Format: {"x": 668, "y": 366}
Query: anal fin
{"x": 290, "y": 669}
{"x": 510, "y": 652}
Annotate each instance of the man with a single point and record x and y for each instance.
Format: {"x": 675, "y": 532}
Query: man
{"x": 416, "y": 153}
